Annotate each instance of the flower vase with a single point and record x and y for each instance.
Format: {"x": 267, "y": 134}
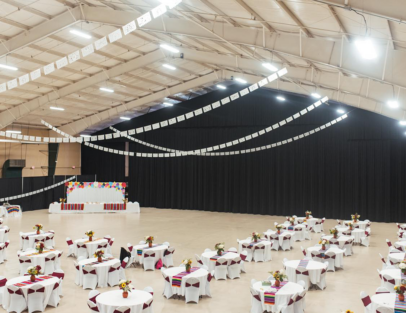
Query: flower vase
{"x": 323, "y": 247}
{"x": 90, "y": 238}
{"x": 350, "y": 227}
{"x": 292, "y": 224}
{"x": 38, "y": 232}
{"x": 277, "y": 283}
{"x": 219, "y": 252}
{"x": 188, "y": 268}
{"x": 125, "y": 294}
{"x": 307, "y": 216}
{"x": 150, "y": 244}
{"x": 99, "y": 259}
{"x": 255, "y": 239}
{"x": 403, "y": 271}
{"x": 279, "y": 231}
{"x": 401, "y": 297}
{"x": 355, "y": 220}
{"x": 40, "y": 251}
{"x": 32, "y": 278}
{"x": 335, "y": 236}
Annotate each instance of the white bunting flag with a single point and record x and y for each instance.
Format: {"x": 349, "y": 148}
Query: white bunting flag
{"x": 24, "y": 79}
{"x": 114, "y": 36}
{"x": 73, "y": 57}
{"x": 87, "y": 50}
{"x": 130, "y": 27}
{"x": 48, "y": 69}
{"x": 159, "y": 10}
{"x": 100, "y": 43}
{"x": 12, "y": 84}
{"x": 144, "y": 19}
{"x": 3, "y": 87}
{"x": 61, "y": 62}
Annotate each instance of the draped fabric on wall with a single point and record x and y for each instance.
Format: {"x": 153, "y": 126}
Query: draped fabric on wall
{"x": 358, "y": 165}
{"x": 16, "y": 186}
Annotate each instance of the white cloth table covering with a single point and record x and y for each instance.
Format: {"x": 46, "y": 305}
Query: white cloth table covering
{"x": 314, "y": 268}
{"x": 362, "y": 224}
{"x": 200, "y": 274}
{"x": 3, "y": 212}
{"x": 282, "y": 297}
{"x": 338, "y": 262}
{"x": 311, "y": 221}
{"x": 109, "y": 301}
{"x": 3, "y": 236}
{"x": 132, "y": 207}
{"x": 395, "y": 273}
{"x": 95, "y": 194}
{"x": 31, "y": 239}
{"x": 47, "y": 283}
{"x": 39, "y": 259}
{"x": 386, "y": 300}
{"x": 401, "y": 244}
{"x": 211, "y": 264}
{"x": 299, "y": 235}
{"x": 396, "y": 257}
{"x": 159, "y": 252}
{"x": 341, "y": 229}
{"x": 266, "y": 243}
{"x": 282, "y": 235}
{"x": 102, "y": 270}
{"x": 341, "y": 239}
{"x": 358, "y": 234}
{"x": 91, "y": 245}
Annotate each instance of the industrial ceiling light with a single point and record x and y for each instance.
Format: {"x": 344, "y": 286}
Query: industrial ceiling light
{"x": 168, "y": 104}
{"x": 106, "y": 89}
{"x": 13, "y": 131}
{"x": 270, "y": 67}
{"x": 8, "y": 67}
{"x": 80, "y": 34}
{"x": 171, "y": 67}
{"x": 280, "y": 98}
{"x": 125, "y": 118}
{"x": 57, "y": 108}
{"x": 366, "y": 48}
{"x": 240, "y": 80}
{"x": 393, "y": 104}
{"x": 341, "y": 111}
{"x": 85, "y": 136}
{"x": 169, "y": 48}
{"x": 315, "y": 95}
{"x": 221, "y": 87}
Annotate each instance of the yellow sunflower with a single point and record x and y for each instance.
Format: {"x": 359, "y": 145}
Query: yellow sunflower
{"x": 123, "y": 285}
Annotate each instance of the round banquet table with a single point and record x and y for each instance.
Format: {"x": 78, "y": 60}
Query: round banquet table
{"x": 32, "y": 235}
{"x": 91, "y": 246}
{"x": 201, "y": 274}
{"x": 395, "y": 273}
{"x": 39, "y": 259}
{"x": 211, "y": 263}
{"x": 266, "y": 243}
{"x": 299, "y": 234}
{"x": 282, "y": 297}
{"x": 109, "y": 301}
{"x": 102, "y": 270}
{"x": 314, "y": 268}
{"x": 341, "y": 239}
{"x": 386, "y": 300}
{"x": 311, "y": 221}
{"x": 338, "y": 262}
{"x": 362, "y": 224}
{"x": 282, "y": 235}
{"x": 396, "y": 257}
{"x": 159, "y": 250}
{"x": 358, "y": 234}
{"x": 47, "y": 283}
{"x": 341, "y": 229}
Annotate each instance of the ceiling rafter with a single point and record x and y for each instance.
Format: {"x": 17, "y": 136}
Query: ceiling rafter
{"x": 218, "y": 11}
{"x": 21, "y": 6}
{"x": 292, "y": 15}
{"x": 339, "y": 22}
{"x": 256, "y": 15}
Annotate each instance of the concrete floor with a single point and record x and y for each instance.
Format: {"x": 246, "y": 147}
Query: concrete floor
{"x": 190, "y": 232}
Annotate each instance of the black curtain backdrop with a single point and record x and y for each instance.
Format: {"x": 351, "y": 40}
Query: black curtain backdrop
{"x": 15, "y": 186}
{"x": 358, "y": 165}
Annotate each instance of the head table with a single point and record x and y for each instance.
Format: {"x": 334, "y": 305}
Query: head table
{"x": 87, "y": 207}
{"x": 109, "y": 301}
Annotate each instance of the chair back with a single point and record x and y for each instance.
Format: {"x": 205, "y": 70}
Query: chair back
{"x": 221, "y": 262}
{"x": 14, "y": 290}
{"x": 102, "y": 246}
{"x": 69, "y": 241}
{"x": 92, "y": 306}
{"x": 243, "y": 255}
{"x": 111, "y": 241}
{"x": 130, "y": 247}
{"x": 380, "y": 290}
{"x": 330, "y": 255}
{"x": 50, "y": 257}
{"x": 149, "y": 289}
{"x": 192, "y": 282}
{"x": 259, "y": 246}
{"x": 366, "y": 300}
{"x": 88, "y": 269}
{"x": 3, "y": 281}
{"x": 59, "y": 273}
{"x": 236, "y": 260}
{"x": 198, "y": 259}
{"x": 36, "y": 289}
{"x": 149, "y": 254}
{"x": 40, "y": 239}
{"x": 122, "y": 309}
{"x": 24, "y": 259}
{"x": 125, "y": 262}
{"x": 255, "y": 294}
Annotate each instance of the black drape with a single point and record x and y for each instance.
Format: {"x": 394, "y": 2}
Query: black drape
{"x": 358, "y": 165}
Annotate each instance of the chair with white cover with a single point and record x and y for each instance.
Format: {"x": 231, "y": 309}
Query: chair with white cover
{"x": 147, "y": 307}
{"x": 71, "y": 247}
{"x": 365, "y": 239}
{"x": 259, "y": 252}
{"x": 307, "y": 232}
{"x": 330, "y": 257}
{"x": 286, "y": 243}
{"x": 300, "y": 306}
{"x": 142, "y": 242}
{"x": 3, "y": 256}
{"x": 82, "y": 250}
{"x": 322, "y": 283}
{"x": 89, "y": 277}
{"x": 192, "y": 290}
{"x": 124, "y": 265}
{"x": 253, "y": 281}
{"x": 388, "y": 282}
{"x": 220, "y": 269}
{"x": 103, "y": 246}
{"x": 348, "y": 247}
{"x": 199, "y": 260}
{"x": 366, "y": 300}
{"x": 256, "y": 303}
{"x": 384, "y": 262}
{"x": 316, "y": 256}
{"x": 132, "y": 260}
{"x": 93, "y": 294}
{"x": 380, "y": 290}
{"x": 384, "y": 309}
{"x": 24, "y": 241}
{"x": 49, "y": 240}
{"x": 49, "y": 263}
{"x": 207, "y": 288}
{"x": 232, "y": 249}
{"x": 168, "y": 293}
{"x": 247, "y": 248}
{"x": 243, "y": 256}
{"x": 25, "y": 263}
{"x": 110, "y": 245}
{"x": 17, "y": 301}
{"x": 317, "y": 228}
{"x": 346, "y": 232}
{"x": 234, "y": 268}
{"x": 303, "y": 274}
{"x": 61, "y": 275}
{"x": 36, "y": 298}
{"x": 77, "y": 276}
{"x": 149, "y": 260}
{"x": 55, "y": 298}
{"x": 122, "y": 309}
{"x": 113, "y": 278}
{"x": 274, "y": 238}
{"x": 92, "y": 306}
{"x": 290, "y": 306}
{"x": 306, "y": 257}
{"x": 149, "y": 290}
{"x": 168, "y": 257}
{"x": 3, "y": 282}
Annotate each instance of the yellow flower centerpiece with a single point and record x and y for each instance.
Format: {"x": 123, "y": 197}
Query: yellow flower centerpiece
{"x": 355, "y": 217}
{"x": 125, "y": 286}
{"x": 279, "y": 276}
{"x": 90, "y": 234}
{"x": 188, "y": 264}
{"x": 149, "y": 240}
{"x": 308, "y": 213}
{"x": 99, "y": 254}
{"x": 38, "y": 228}
{"x": 219, "y": 247}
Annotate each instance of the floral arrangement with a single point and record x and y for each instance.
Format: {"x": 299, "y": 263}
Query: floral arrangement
{"x": 125, "y": 285}
{"x": 308, "y": 213}
{"x": 40, "y": 247}
{"x": 355, "y": 216}
{"x": 188, "y": 264}
{"x": 279, "y": 226}
{"x": 347, "y": 311}
{"x": 62, "y": 200}
{"x": 99, "y": 253}
{"x": 34, "y": 270}
{"x": 149, "y": 239}
{"x": 278, "y": 275}
{"x": 292, "y": 220}
{"x": 256, "y": 236}
{"x": 323, "y": 242}
{"x": 402, "y": 266}
{"x": 349, "y": 224}
{"x": 89, "y": 233}
{"x": 334, "y": 232}
{"x": 38, "y": 227}
{"x": 400, "y": 289}
{"x": 219, "y": 247}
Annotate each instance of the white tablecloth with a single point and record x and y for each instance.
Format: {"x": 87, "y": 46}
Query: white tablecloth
{"x": 338, "y": 262}
{"x": 395, "y": 273}
{"x": 383, "y": 300}
{"x": 39, "y": 259}
{"x": 396, "y": 257}
{"x": 95, "y": 194}
{"x": 282, "y": 297}
{"x": 311, "y": 221}
{"x": 90, "y": 245}
{"x": 108, "y": 301}
{"x": 102, "y": 270}
{"x": 200, "y": 274}
{"x": 132, "y": 207}
{"x": 3, "y": 211}
{"x": 47, "y": 283}
{"x": 266, "y": 243}
{"x": 341, "y": 239}
{"x": 358, "y": 234}
{"x": 401, "y": 244}
{"x": 31, "y": 240}
{"x": 298, "y": 235}
{"x": 282, "y": 235}
{"x": 362, "y": 224}
{"x": 211, "y": 264}
{"x": 314, "y": 268}
{"x": 159, "y": 252}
